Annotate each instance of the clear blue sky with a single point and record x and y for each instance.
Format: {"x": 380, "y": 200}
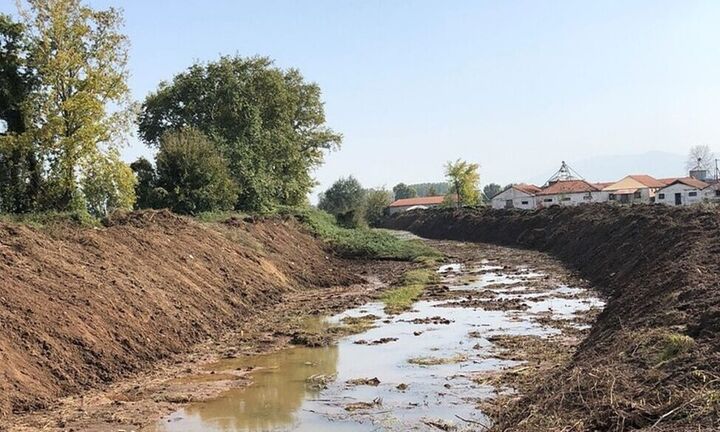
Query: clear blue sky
{"x": 513, "y": 85}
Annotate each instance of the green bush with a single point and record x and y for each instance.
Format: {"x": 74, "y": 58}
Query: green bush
{"x": 362, "y": 242}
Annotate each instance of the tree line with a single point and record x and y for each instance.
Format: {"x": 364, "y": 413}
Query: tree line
{"x": 353, "y": 206}
{"x": 236, "y": 133}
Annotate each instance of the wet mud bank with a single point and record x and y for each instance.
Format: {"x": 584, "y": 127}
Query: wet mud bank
{"x": 652, "y": 358}
{"x": 495, "y": 315}
{"x": 82, "y": 308}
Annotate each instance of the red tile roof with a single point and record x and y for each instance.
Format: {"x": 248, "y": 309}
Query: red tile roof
{"x": 690, "y": 181}
{"x": 421, "y": 201}
{"x": 647, "y": 180}
{"x": 668, "y": 180}
{"x": 529, "y": 189}
{"x": 568, "y": 186}
{"x": 602, "y": 185}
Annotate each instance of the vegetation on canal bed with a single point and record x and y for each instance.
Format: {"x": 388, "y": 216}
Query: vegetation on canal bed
{"x": 364, "y": 242}
{"x": 413, "y": 283}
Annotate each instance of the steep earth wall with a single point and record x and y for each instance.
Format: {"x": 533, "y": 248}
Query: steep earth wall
{"x": 652, "y": 360}
{"x": 80, "y": 307}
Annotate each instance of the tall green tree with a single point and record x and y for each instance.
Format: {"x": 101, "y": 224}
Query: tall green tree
{"x": 464, "y": 178}
{"x": 345, "y": 200}
{"x": 402, "y": 191}
{"x": 192, "y": 174}
{"x": 376, "y": 204}
{"x": 20, "y": 169}
{"x": 146, "y": 189}
{"x": 490, "y": 190}
{"x": 108, "y": 184}
{"x": 79, "y": 111}
{"x": 268, "y": 123}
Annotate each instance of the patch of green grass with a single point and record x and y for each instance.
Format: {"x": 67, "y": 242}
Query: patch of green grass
{"x": 401, "y": 299}
{"x": 674, "y": 345}
{"x": 43, "y": 219}
{"x": 363, "y": 242}
{"x": 411, "y": 287}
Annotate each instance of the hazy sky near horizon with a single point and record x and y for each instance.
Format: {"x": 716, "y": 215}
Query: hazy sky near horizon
{"x": 516, "y": 86}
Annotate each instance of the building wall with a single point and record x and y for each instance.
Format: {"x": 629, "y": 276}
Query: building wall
{"x": 569, "y": 199}
{"x": 520, "y": 200}
{"x": 712, "y": 193}
{"x": 646, "y": 196}
{"x": 685, "y": 192}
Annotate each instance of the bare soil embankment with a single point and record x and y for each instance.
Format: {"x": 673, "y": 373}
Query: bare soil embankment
{"x": 652, "y": 359}
{"x": 80, "y": 308}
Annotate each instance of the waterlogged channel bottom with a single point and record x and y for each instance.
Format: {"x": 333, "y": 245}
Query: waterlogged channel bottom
{"x": 424, "y": 372}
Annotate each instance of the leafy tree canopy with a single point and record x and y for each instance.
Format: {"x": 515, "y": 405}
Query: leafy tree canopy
{"x": 20, "y": 171}
{"x": 403, "y": 191}
{"x": 268, "y": 123}
{"x": 345, "y": 195}
{"x": 490, "y": 190}
{"x": 376, "y": 204}
{"x": 191, "y": 174}
{"x": 464, "y": 178}
{"x": 64, "y": 126}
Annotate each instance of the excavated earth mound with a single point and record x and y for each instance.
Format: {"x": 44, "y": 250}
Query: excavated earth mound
{"x": 652, "y": 359}
{"x": 80, "y": 307}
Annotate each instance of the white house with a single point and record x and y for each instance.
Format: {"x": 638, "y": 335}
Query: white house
{"x": 683, "y": 191}
{"x": 712, "y": 193}
{"x": 635, "y": 189}
{"x": 520, "y": 196}
{"x": 568, "y": 193}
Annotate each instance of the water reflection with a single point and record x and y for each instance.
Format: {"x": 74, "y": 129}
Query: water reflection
{"x": 273, "y": 400}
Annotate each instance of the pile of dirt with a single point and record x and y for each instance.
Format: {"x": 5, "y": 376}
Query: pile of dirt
{"x": 82, "y": 307}
{"x": 652, "y": 359}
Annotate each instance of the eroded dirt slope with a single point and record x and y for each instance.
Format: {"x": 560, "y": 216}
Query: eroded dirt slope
{"x": 82, "y": 307}
{"x": 652, "y": 359}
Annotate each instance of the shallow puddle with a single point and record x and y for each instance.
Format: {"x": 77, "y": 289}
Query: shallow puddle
{"x": 423, "y": 359}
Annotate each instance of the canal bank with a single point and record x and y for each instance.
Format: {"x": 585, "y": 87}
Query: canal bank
{"x": 434, "y": 367}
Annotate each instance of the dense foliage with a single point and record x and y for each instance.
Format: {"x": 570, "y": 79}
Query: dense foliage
{"x": 62, "y": 70}
{"x": 490, "y": 190}
{"x": 19, "y": 166}
{"x": 364, "y": 242}
{"x": 268, "y": 123}
{"x": 191, "y": 177}
{"x": 464, "y": 178}
{"x": 430, "y": 189}
{"x": 402, "y": 191}
{"x": 344, "y": 200}
{"x": 376, "y": 204}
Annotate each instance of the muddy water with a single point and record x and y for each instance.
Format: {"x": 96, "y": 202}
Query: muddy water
{"x": 424, "y": 369}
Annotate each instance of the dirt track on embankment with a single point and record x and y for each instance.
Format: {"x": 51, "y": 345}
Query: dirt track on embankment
{"x": 652, "y": 359}
{"x": 82, "y": 307}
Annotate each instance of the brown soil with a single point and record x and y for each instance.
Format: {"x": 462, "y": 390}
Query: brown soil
{"x": 81, "y": 308}
{"x": 652, "y": 359}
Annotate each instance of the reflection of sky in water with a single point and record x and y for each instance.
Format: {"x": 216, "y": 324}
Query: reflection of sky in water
{"x": 280, "y": 400}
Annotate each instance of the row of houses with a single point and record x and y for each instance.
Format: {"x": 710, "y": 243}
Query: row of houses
{"x": 566, "y": 189}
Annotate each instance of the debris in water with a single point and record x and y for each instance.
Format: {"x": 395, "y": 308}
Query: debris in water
{"x": 364, "y": 381}
{"x": 356, "y": 406}
{"x": 376, "y": 342}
